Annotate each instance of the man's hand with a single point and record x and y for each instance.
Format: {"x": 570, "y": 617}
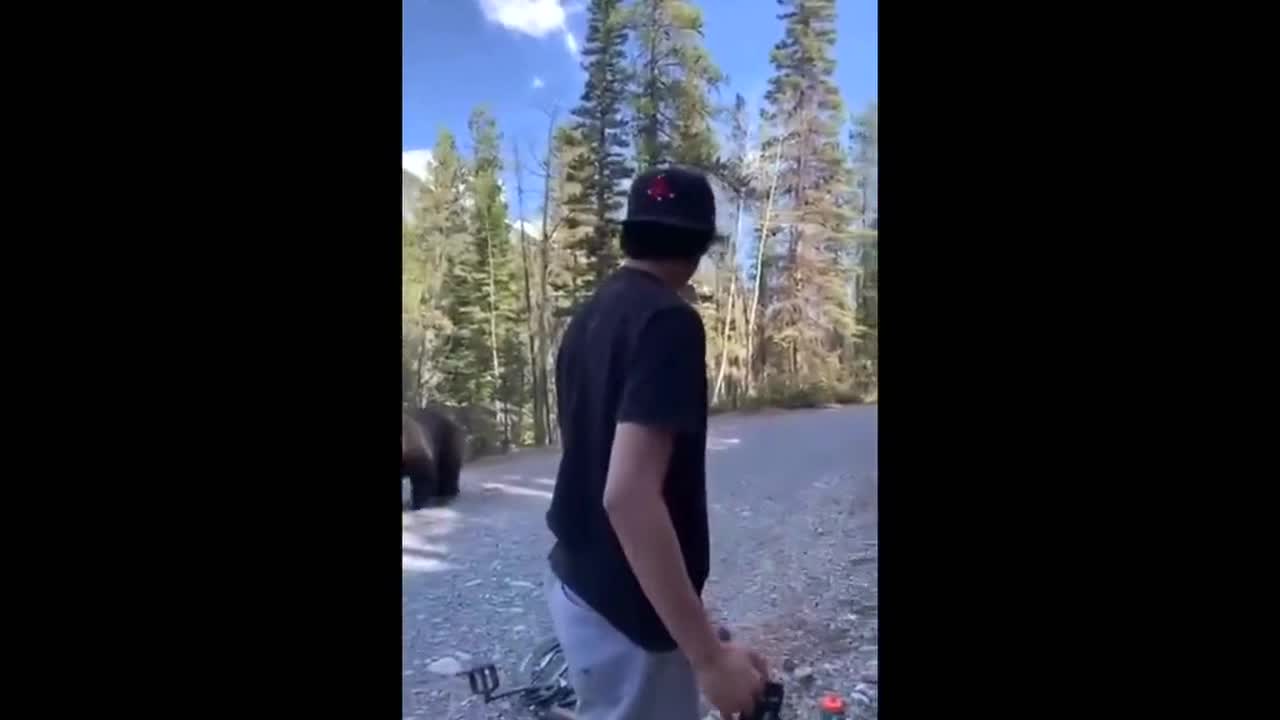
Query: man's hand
{"x": 733, "y": 679}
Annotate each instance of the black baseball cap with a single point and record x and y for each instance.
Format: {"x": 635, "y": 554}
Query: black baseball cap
{"x": 676, "y": 196}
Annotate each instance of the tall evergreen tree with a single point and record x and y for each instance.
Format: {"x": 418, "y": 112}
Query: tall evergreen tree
{"x": 554, "y": 282}
{"x": 601, "y": 168}
{"x": 809, "y": 308}
{"x": 444, "y": 243}
{"x": 563, "y": 263}
{"x": 532, "y": 312}
{"x": 738, "y": 173}
{"x": 674, "y": 80}
{"x": 411, "y": 325}
{"x": 865, "y": 357}
{"x": 418, "y": 323}
{"x": 495, "y": 273}
{"x": 569, "y": 264}
{"x": 864, "y": 137}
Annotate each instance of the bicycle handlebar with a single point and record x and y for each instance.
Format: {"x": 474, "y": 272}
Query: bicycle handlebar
{"x": 770, "y": 707}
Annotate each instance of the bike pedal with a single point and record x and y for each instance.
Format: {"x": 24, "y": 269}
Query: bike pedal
{"x": 482, "y": 679}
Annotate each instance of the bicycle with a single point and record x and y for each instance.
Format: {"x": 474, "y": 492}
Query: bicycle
{"x": 548, "y": 695}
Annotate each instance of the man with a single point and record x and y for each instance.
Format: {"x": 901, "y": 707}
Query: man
{"x": 629, "y": 512}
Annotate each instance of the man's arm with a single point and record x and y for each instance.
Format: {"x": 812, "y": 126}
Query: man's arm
{"x": 665, "y": 378}
{"x": 633, "y": 499}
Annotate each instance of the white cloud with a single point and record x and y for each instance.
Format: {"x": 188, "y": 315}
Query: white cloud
{"x": 416, "y": 162}
{"x": 536, "y": 18}
{"x": 531, "y": 17}
{"x": 529, "y": 228}
{"x": 538, "y": 83}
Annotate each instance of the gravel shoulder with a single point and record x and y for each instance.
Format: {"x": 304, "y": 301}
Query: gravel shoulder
{"x": 793, "y": 571}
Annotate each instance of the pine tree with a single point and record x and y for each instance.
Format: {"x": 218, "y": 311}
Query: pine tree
{"x": 566, "y": 266}
{"x": 809, "y": 312}
{"x": 558, "y": 283}
{"x": 674, "y": 81}
{"x": 760, "y": 263}
{"x": 532, "y": 312}
{"x": 418, "y": 322}
{"x": 601, "y": 168}
{"x": 569, "y": 264}
{"x": 738, "y": 172}
{"x": 446, "y": 250}
{"x": 494, "y": 272}
{"x": 865, "y": 139}
{"x": 411, "y": 272}
{"x": 865, "y": 358}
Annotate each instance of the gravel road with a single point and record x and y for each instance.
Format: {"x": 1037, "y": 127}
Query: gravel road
{"x": 793, "y": 562}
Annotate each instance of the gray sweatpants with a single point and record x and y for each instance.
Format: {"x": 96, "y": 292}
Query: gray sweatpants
{"x": 614, "y": 678}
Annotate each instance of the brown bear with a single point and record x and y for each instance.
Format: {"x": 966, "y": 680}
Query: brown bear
{"x": 431, "y": 453}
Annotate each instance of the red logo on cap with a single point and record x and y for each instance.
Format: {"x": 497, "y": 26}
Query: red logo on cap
{"x": 659, "y": 190}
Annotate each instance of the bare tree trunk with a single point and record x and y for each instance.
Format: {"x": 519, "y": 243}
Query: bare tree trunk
{"x": 544, "y": 304}
{"x": 539, "y": 430}
{"x": 728, "y": 315}
{"x": 498, "y": 405}
{"x": 755, "y": 299}
{"x": 420, "y": 383}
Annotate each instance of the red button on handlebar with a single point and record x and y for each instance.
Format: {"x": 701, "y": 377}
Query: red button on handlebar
{"x": 832, "y": 703}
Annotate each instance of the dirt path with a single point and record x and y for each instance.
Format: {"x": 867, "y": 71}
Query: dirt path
{"x": 793, "y": 571}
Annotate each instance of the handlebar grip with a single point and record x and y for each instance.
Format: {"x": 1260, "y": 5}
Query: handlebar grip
{"x": 770, "y": 708}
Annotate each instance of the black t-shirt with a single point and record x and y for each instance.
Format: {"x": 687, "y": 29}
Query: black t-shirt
{"x": 634, "y": 352}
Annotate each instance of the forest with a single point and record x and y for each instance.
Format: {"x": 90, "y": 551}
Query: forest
{"x": 788, "y": 296}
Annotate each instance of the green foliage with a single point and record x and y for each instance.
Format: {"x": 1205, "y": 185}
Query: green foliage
{"x": 789, "y": 396}
{"x": 810, "y": 313}
{"x": 672, "y": 86}
{"x": 790, "y": 305}
{"x": 864, "y": 358}
{"x": 435, "y": 250}
{"x": 463, "y": 355}
{"x": 864, "y": 137}
{"x": 499, "y": 305}
{"x": 601, "y": 167}
{"x": 569, "y": 271}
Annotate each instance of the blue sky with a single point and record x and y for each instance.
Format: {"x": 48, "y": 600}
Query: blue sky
{"x": 517, "y": 57}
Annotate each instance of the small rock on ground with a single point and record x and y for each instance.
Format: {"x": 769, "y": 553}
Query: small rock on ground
{"x": 445, "y": 666}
